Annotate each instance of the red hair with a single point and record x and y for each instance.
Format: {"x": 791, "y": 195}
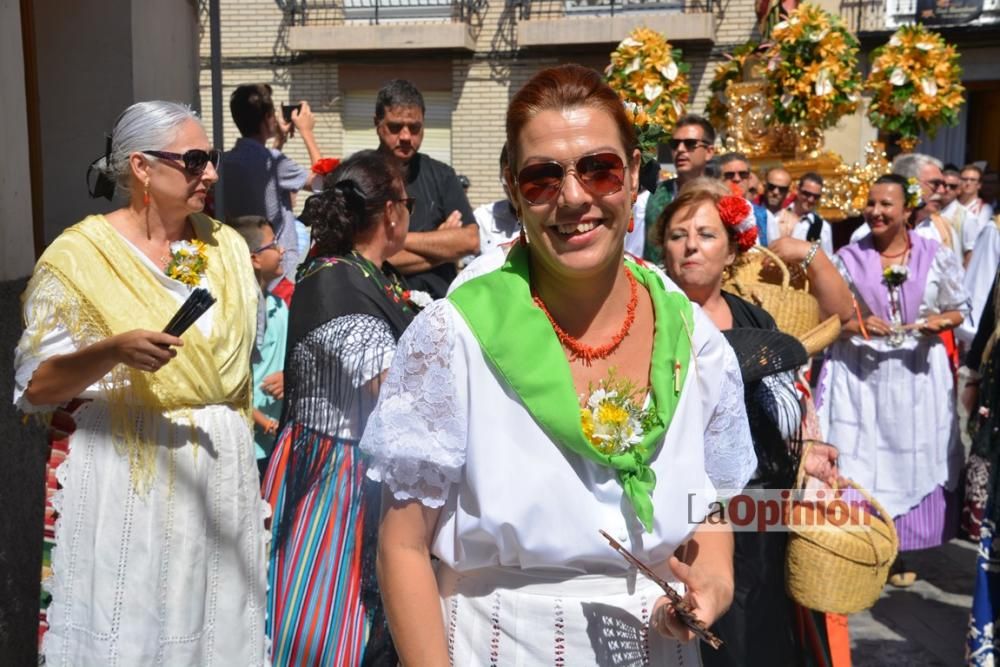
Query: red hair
{"x": 565, "y": 87}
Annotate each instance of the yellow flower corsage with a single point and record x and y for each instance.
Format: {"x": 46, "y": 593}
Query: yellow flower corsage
{"x": 610, "y": 419}
{"x": 188, "y": 262}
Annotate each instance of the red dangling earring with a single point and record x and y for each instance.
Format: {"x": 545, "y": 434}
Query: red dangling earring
{"x": 631, "y": 224}
{"x": 145, "y": 195}
{"x": 522, "y": 237}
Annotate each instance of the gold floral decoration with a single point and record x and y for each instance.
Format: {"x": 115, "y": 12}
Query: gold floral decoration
{"x": 648, "y": 72}
{"x": 812, "y": 68}
{"x": 915, "y": 83}
{"x": 726, "y": 72}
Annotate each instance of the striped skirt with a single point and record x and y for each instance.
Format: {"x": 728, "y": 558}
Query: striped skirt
{"x": 319, "y": 571}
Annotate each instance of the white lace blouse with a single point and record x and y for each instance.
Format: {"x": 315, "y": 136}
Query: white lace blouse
{"x": 449, "y": 432}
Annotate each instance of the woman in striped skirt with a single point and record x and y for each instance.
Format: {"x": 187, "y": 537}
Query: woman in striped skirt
{"x": 348, "y": 311}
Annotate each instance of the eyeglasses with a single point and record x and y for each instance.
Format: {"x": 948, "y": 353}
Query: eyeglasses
{"x": 970, "y": 179}
{"x": 731, "y": 175}
{"x": 783, "y": 189}
{"x": 689, "y": 144}
{"x": 396, "y": 128}
{"x": 953, "y": 186}
{"x": 273, "y": 244}
{"x": 408, "y": 202}
{"x": 600, "y": 174}
{"x": 810, "y": 195}
{"x": 935, "y": 184}
{"x": 195, "y": 160}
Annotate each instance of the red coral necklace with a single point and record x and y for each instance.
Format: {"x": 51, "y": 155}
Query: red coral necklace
{"x": 585, "y": 352}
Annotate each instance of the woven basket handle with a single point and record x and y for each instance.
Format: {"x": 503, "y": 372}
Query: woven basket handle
{"x": 886, "y": 517}
{"x": 883, "y": 514}
{"x": 785, "y": 276}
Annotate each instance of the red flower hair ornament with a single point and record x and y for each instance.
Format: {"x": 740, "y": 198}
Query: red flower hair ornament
{"x": 325, "y": 165}
{"x": 736, "y": 212}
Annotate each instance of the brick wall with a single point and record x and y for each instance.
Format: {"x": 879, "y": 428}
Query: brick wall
{"x": 254, "y": 49}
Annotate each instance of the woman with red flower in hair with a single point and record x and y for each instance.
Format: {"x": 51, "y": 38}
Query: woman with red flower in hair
{"x": 703, "y": 232}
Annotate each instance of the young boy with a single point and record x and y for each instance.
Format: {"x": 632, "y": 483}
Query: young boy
{"x": 272, "y": 333}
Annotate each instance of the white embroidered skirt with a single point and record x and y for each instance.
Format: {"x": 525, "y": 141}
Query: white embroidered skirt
{"x": 507, "y": 617}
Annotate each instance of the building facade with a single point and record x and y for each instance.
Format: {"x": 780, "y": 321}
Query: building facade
{"x": 470, "y": 56}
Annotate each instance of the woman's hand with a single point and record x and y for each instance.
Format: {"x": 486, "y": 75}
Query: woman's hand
{"x": 876, "y": 326}
{"x": 145, "y": 350}
{"x": 821, "y": 463}
{"x": 934, "y": 324}
{"x": 274, "y": 385}
{"x": 709, "y": 595}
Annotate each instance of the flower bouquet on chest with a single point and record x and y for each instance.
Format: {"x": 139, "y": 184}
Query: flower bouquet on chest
{"x": 894, "y": 276}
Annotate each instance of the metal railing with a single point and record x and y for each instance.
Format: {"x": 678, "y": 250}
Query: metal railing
{"x": 528, "y": 9}
{"x": 375, "y": 12}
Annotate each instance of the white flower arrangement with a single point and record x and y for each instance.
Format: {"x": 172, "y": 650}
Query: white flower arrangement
{"x": 611, "y": 420}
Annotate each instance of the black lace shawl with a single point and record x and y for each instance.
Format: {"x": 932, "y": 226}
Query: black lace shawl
{"x": 777, "y": 459}
{"x": 345, "y": 315}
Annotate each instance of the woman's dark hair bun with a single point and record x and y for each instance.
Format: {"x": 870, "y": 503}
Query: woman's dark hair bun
{"x": 352, "y": 197}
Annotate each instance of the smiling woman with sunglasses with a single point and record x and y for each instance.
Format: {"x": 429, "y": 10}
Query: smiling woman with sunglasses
{"x": 159, "y": 541}
{"x": 568, "y": 391}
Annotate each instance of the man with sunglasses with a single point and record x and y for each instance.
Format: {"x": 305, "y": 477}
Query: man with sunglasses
{"x": 443, "y": 228}
{"x": 692, "y": 146}
{"x": 978, "y": 213}
{"x": 258, "y": 180}
{"x": 734, "y": 168}
{"x": 800, "y": 220}
{"x": 952, "y": 209}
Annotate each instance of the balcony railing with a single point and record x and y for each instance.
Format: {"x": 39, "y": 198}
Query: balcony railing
{"x": 544, "y": 9}
{"x": 375, "y": 12}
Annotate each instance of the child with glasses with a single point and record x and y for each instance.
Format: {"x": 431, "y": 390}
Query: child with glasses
{"x": 272, "y": 331}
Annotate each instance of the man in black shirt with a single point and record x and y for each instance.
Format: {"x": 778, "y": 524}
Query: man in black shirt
{"x": 442, "y": 226}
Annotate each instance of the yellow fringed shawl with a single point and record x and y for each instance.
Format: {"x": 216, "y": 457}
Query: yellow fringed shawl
{"x": 102, "y": 288}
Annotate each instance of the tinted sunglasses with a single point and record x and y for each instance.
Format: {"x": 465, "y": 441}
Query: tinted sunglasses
{"x": 810, "y": 195}
{"x": 600, "y": 174}
{"x": 195, "y": 160}
{"x": 783, "y": 189}
{"x": 689, "y": 144}
{"x": 409, "y": 203}
{"x": 396, "y": 128}
{"x": 936, "y": 184}
{"x": 953, "y": 186}
{"x": 731, "y": 175}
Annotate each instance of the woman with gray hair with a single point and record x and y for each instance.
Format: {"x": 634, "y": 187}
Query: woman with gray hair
{"x": 156, "y": 518}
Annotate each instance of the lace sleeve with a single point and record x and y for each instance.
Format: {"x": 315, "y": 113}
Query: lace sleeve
{"x": 416, "y": 436}
{"x": 729, "y": 456}
{"x": 951, "y": 291}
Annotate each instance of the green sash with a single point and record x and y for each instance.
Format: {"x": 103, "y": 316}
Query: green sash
{"x": 519, "y": 343}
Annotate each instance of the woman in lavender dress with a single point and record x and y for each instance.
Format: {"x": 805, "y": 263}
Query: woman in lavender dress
{"x": 886, "y": 395}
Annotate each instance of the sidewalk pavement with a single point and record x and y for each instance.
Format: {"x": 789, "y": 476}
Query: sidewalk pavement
{"x": 924, "y": 624}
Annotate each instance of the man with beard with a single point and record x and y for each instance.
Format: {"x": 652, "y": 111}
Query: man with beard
{"x": 442, "y": 226}
{"x": 692, "y": 145}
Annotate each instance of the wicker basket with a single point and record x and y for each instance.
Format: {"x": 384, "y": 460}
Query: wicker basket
{"x": 819, "y": 337}
{"x": 839, "y": 570}
{"x": 795, "y": 311}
